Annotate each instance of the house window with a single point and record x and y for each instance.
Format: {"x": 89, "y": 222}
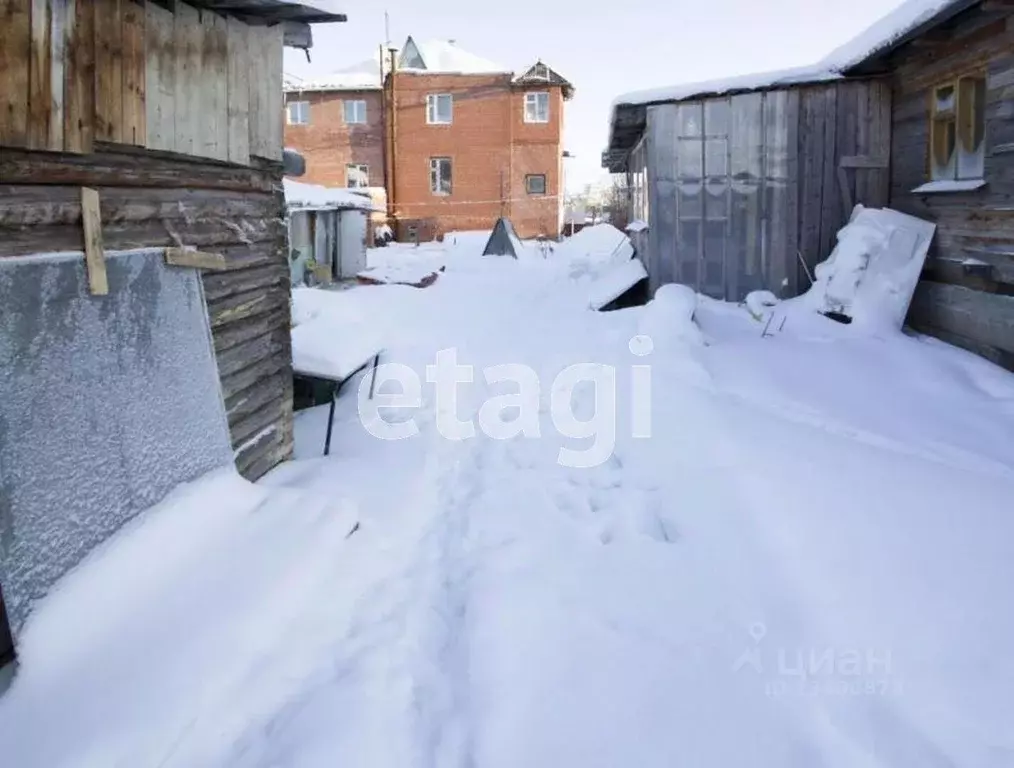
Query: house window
{"x": 298, "y": 112}
{"x": 958, "y": 130}
{"x": 535, "y": 184}
{"x": 440, "y": 175}
{"x": 355, "y": 111}
{"x": 357, "y": 176}
{"x": 439, "y": 108}
{"x": 537, "y": 107}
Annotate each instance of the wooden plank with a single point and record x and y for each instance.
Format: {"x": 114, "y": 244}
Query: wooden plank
{"x": 134, "y": 117}
{"x": 846, "y": 192}
{"x": 15, "y": 48}
{"x": 984, "y": 318}
{"x": 238, "y": 92}
{"x": 95, "y": 257}
{"x": 79, "y": 88}
{"x": 187, "y": 42}
{"x": 58, "y": 32}
{"x": 214, "y": 87}
{"x": 830, "y": 214}
{"x": 108, "y": 70}
{"x": 122, "y": 165}
{"x": 863, "y": 161}
{"x": 160, "y": 68}
{"x": 276, "y": 97}
{"x": 259, "y": 85}
{"x": 40, "y": 101}
{"x": 181, "y": 257}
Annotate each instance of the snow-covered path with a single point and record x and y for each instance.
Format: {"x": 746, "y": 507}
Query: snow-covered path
{"x": 806, "y": 564}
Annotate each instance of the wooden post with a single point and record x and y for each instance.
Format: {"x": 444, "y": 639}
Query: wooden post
{"x": 95, "y": 257}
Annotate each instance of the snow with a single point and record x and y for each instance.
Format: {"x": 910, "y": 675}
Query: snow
{"x": 318, "y": 351}
{"x": 637, "y": 225}
{"x": 301, "y": 195}
{"x": 615, "y": 282}
{"x": 364, "y": 76}
{"x": 886, "y": 31}
{"x": 948, "y": 185}
{"x": 892, "y": 27}
{"x": 873, "y": 271}
{"x": 802, "y": 558}
{"x": 445, "y": 57}
{"x": 602, "y": 241}
{"x": 760, "y": 304}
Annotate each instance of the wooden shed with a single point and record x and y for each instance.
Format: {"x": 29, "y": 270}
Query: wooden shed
{"x": 741, "y": 181}
{"x": 952, "y": 162}
{"x": 738, "y": 180}
{"x": 172, "y": 112}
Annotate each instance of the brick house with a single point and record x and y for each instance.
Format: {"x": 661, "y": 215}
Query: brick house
{"x": 455, "y": 140}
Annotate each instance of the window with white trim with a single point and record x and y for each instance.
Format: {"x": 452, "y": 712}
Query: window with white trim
{"x": 535, "y": 183}
{"x": 537, "y": 107}
{"x": 440, "y": 175}
{"x": 357, "y": 176}
{"x": 439, "y": 109}
{"x": 958, "y": 129}
{"x": 354, "y": 110}
{"x": 298, "y": 112}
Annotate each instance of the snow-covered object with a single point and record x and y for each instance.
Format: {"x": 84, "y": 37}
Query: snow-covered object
{"x": 445, "y": 57}
{"x": 637, "y": 225}
{"x": 300, "y": 195}
{"x": 602, "y": 241}
{"x": 364, "y": 76}
{"x": 317, "y": 350}
{"x": 814, "y": 73}
{"x": 882, "y": 34}
{"x": 668, "y": 319}
{"x": 615, "y": 282}
{"x": 873, "y": 270}
{"x": 106, "y": 404}
{"x": 878, "y": 37}
{"x": 760, "y": 304}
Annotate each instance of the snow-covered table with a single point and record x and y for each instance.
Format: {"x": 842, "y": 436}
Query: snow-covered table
{"x": 318, "y": 358}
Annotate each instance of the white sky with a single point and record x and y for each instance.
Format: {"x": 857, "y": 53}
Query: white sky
{"x": 627, "y": 45}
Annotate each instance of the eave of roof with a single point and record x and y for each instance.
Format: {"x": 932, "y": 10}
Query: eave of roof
{"x": 271, "y": 11}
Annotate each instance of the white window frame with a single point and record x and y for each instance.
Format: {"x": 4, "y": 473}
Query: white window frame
{"x": 297, "y": 112}
{"x": 433, "y": 112}
{"x": 436, "y": 165}
{"x": 358, "y": 111}
{"x": 532, "y": 112}
{"x": 545, "y": 184}
{"x": 360, "y": 168}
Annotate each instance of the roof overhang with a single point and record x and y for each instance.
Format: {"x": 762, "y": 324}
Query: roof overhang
{"x": 270, "y": 11}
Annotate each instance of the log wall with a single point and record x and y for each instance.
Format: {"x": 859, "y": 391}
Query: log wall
{"x": 160, "y": 199}
{"x": 967, "y": 293}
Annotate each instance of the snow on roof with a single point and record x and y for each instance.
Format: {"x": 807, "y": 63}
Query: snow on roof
{"x": 815, "y": 73}
{"x": 364, "y": 76}
{"x": 445, "y": 56}
{"x": 300, "y": 195}
{"x": 893, "y": 27}
{"x": 876, "y": 39}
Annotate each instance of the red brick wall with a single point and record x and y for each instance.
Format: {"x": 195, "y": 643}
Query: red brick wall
{"x": 328, "y": 144}
{"x": 491, "y": 149}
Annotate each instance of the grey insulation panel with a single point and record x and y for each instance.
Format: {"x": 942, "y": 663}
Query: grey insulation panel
{"x": 106, "y": 404}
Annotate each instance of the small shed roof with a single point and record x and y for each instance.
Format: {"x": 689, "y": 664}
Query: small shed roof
{"x": 864, "y": 54}
{"x": 273, "y": 11}
{"x": 314, "y": 196}
{"x": 542, "y": 74}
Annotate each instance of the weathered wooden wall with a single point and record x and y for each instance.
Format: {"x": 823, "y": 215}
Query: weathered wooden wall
{"x": 163, "y": 199}
{"x": 967, "y": 293}
{"x": 841, "y": 125}
{"x": 73, "y": 72}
